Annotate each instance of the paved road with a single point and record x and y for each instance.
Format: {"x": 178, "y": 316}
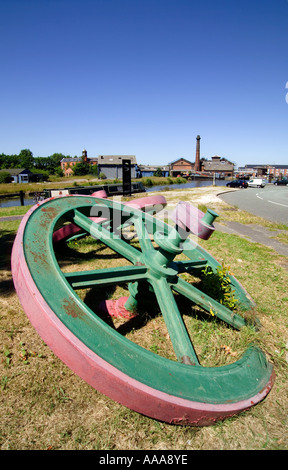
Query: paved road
{"x": 270, "y": 202}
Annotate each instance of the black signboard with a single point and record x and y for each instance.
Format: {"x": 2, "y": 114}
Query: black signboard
{"x": 126, "y": 176}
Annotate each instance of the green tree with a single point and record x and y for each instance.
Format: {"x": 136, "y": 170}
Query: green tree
{"x": 59, "y": 171}
{"x": 94, "y": 170}
{"x": 56, "y": 158}
{"x": 51, "y": 163}
{"x": 158, "y": 172}
{"x": 42, "y": 163}
{"x": 5, "y": 177}
{"x": 9, "y": 161}
{"x": 26, "y": 159}
{"x": 81, "y": 169}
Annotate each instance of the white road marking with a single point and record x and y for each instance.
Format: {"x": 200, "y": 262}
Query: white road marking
{"x": 272, "y": 202}
{"x": 278, "y": 203}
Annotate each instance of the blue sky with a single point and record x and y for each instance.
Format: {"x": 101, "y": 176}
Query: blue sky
{"x": 145, "y": 77}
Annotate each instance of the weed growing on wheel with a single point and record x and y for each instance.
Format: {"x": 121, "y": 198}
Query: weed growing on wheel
{"x": 217, "y": 284}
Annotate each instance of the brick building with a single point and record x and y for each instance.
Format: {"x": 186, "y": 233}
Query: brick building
{"x": 269, "y": 171}
{"x": 277, "y": 171}
{"x": 181, "y": 166}
{"x": 67, "y": 164}
{"x": 218, "y": 165}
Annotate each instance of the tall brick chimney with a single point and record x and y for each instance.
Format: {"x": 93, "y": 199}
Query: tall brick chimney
{"x": 197, "y": 160}
{"x": 84, "y": 155}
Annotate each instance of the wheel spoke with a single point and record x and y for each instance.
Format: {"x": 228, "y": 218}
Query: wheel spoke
{"x": 86, "y": 279}
{"x": 190, "y": 265}
{"x": 177, "y": 331}
{"x": 209, "y": 304}
{"x": 143, "y": 235}
{"x": 108, "y": 238}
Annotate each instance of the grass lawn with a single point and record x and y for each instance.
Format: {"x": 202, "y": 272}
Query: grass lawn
{"x": 44, "y": 405}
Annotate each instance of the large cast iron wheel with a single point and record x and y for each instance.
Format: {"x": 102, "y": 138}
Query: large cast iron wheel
{"x": 182, "y": 391}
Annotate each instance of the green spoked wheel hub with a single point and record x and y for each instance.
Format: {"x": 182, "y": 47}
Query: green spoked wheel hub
{"x": 180, "y": 391}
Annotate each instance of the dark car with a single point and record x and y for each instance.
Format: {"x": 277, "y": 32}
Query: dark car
{"x": 283, "y": 181}
{"x": 237, "y": 184}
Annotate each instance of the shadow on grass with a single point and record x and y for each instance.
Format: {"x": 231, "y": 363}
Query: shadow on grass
{"x": 66, "y": 255}
{"x": 147, "y": 308}
{"x": 6, "y": 243}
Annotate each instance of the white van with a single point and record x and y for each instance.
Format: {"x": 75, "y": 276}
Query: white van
{"x": 257, "y": 183}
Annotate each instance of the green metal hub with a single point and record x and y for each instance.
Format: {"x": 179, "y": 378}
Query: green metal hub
{"x": 155, "y": 267}
{"x": 158, "y": 264}
{"x": 169, "y": 247}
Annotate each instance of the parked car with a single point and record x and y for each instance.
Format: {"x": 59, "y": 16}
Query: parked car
{"x": 237, "y": 184}
{"x": 257, "y": 183}
{"x": 284, "y": 181}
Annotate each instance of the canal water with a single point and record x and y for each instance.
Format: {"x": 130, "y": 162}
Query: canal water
{"x": 190, "y": 184}
{"x": 15, "y": 201}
